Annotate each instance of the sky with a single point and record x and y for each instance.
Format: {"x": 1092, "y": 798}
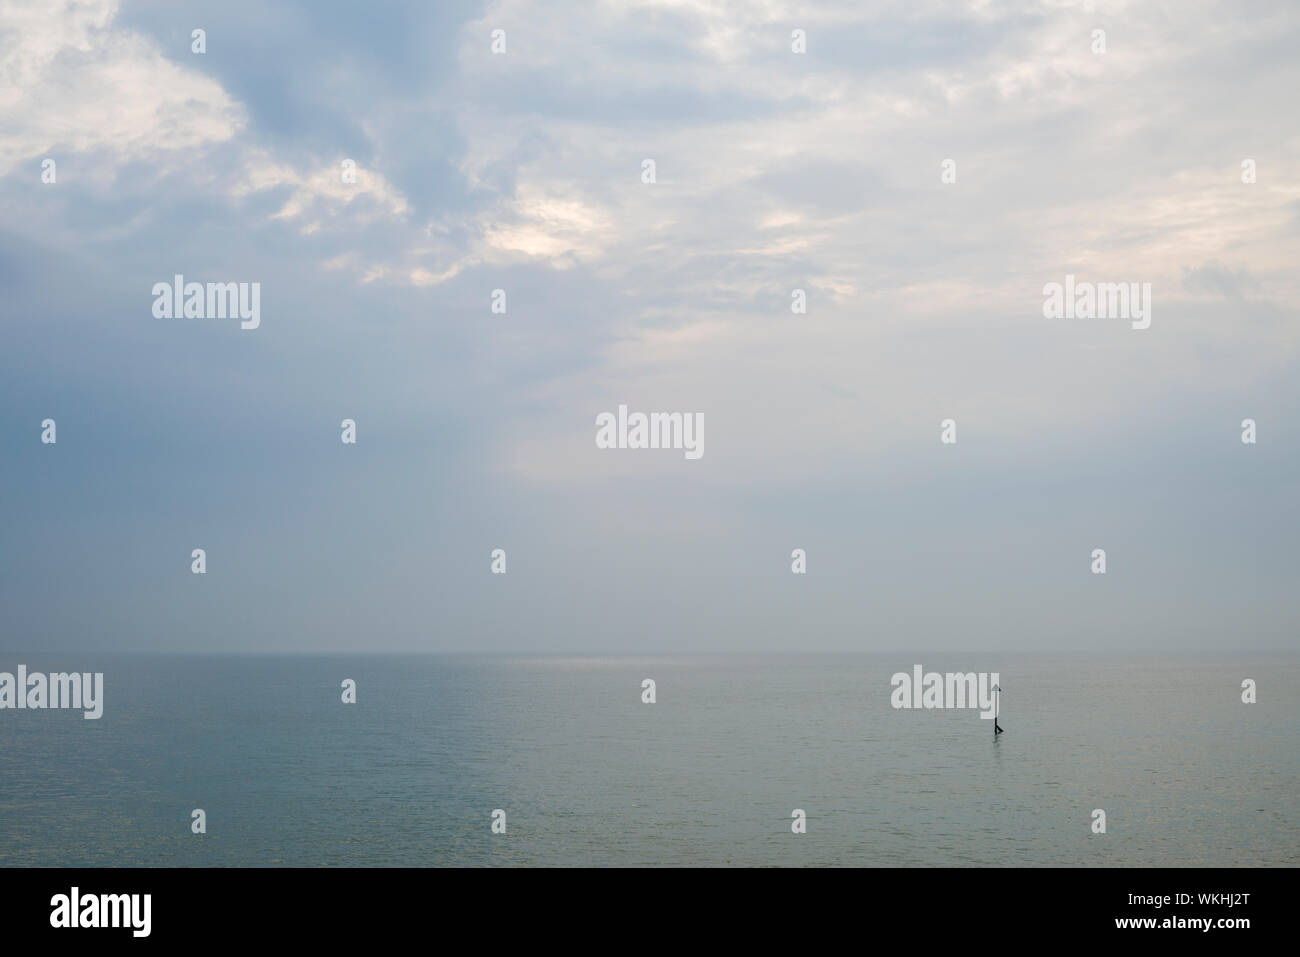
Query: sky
{"x": 774, "y": 171}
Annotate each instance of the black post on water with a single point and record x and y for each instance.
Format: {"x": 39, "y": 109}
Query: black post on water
{"x": 997, "y": 702}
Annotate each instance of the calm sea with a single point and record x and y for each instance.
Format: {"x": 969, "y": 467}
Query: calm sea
{"x": 709, "y": 775}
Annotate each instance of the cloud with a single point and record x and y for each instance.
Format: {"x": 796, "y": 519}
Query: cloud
{"x": 73, "y": 82}
{"x": 775, "y": 171}
{"x": 321, "y": 194}
{"x": 1214, "y": 278}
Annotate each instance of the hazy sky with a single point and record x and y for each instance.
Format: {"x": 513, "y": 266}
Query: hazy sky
{"x": 775, "y": 171}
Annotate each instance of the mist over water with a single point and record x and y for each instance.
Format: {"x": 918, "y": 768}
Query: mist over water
{"x": 709, "y": 775}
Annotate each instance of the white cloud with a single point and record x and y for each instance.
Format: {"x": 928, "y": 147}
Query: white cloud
{"x": 71, "y": 81}
{"x": 321, "y": 192}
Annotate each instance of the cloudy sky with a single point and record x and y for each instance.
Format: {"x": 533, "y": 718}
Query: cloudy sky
{"x": 775, "y": 171}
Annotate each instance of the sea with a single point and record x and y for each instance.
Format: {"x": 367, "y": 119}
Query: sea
{"x": 710, "y": 775}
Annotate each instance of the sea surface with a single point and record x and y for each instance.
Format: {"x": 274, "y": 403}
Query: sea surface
{"x": 708, "y": 775}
